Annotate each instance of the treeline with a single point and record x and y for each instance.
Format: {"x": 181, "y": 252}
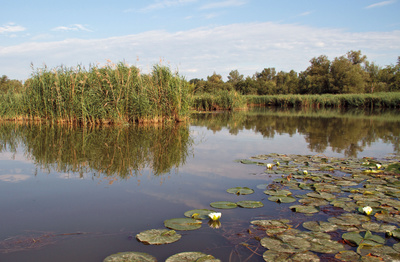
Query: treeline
{"x": 10, "y": 85}
{"x": 348, "y": 74}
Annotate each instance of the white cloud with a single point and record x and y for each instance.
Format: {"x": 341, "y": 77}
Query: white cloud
{"x": 74, "y": 27}
{"x": 11, "y": 28}
{"x": 162, "y": 4}
{"x": 380, "y": 4}
{"x": 223, "y": 4}
{"x": 198, "y": 52}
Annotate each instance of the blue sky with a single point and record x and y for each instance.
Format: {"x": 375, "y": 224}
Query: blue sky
{"x": 195, "y": 37}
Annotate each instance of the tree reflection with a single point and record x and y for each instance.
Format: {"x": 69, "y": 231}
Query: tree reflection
{"x": 347, "y": 132}
{"x": 113, "y": 151}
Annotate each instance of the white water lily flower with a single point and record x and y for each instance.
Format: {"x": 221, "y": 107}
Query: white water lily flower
{"x": 378, "y": 166}
{"x": 269, "y": 166}
{"x": 215, "y": 216}
{"x": 305, "y": 172}
{"x": 367, "y": 210}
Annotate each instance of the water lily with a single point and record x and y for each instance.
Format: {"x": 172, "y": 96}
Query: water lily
{"x": 367, "y": 210}
{"x": 269, "y": 166}
{"x": 215, "y": 216}
{"x": 305, "y": 172}
{"x": 378, "y": 166}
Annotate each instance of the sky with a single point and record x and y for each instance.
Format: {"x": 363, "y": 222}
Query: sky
{"x": 194, "y": 37}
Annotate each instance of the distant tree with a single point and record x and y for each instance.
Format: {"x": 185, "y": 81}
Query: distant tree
{"x": 9, "y": 85}
{"x": 315, "y": 80}
{"x": 356, "y": 58}
{"x": 347, "y": 76}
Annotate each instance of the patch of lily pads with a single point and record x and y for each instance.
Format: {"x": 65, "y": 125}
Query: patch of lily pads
{"x": 356, "y": 202}
{"x": 357, "y": 197}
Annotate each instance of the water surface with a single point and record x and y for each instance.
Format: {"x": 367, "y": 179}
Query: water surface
{"x": 84, "y": 193}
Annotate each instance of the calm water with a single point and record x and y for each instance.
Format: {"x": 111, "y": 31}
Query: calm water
{"x": 112, "y": 183}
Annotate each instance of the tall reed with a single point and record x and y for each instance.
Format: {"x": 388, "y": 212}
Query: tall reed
{"x": 222, "y": 100}
{"x": 115, "y": 93}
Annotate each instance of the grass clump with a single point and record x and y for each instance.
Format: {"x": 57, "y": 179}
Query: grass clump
{"x": 116, "y": 93}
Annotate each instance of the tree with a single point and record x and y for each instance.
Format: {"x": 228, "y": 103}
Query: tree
{"x": 315, "y": 80}
{"x": 346, "y": 76}
{"x": 356, "y": 58}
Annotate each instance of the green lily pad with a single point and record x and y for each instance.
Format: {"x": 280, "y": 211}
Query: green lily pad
{"x": 246, "y": 161}
{"x": 276, "y": 245}
{"x": 282, "y": 199}
{"x": 367, "y": 240}
{"x": 277, "y": 192}
{"x": 395, "y": 168}
{"x": 304, "y": 209}
{"x": 250, "y": 204}
{"x": 378, "y": 227}
{"x": 240, "y": 190}
{"x": 223, "y": 205}
{"x": 320, "y": 226}
{"x": 158, "y": 236}
{"x": 271, "y": 255}
{"x": 198, "y": 213}
{"x": 130, "y": 257}
{"x": 191, "y": 257}
{"x": 182, "y": 223}
{"x": 273, "y": 226}
{"x": 348, "y": 255}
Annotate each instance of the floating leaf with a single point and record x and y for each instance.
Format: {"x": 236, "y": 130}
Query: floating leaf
{"x": 304, "y": 209}
{"x": 130, "y": 256}
{"x": 277, "y": 192}
{"x": 198, "y": 213}
{"x": 271, "y": 255}
{"x": 367, "y": 240}
{"x": 182, "y": 223}
{"x": 320, "y": 226}
{"x": 276, "y": 245}
{"x": 191, "y": 257}
{"x": 240, "y": 190}
{"x": 282, "y": 199}
{"x": 246, "y": 161}
{"x": 273, "y": 226}
{"x": 347, "y": 255}
{"x": 223, "y": 205}
{"x": 378, "y": 227}
{"x": 395, "y": 168}
{"x": 158, "y": 236}
{"x": 250, "y": 204}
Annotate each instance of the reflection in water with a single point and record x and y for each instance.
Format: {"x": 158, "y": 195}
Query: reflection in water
{"x": 121, "y": 151}
{"x": 344, "y": 132}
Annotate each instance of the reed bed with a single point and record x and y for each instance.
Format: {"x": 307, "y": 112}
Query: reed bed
{"x": 116, "y": 93}
{"x": 222, "y": 100}
{"x": 378, "y": 100}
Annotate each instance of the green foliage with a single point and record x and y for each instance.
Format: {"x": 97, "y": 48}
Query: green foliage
{"x": 223, "y": 100}
{"x": 114, "y": 93}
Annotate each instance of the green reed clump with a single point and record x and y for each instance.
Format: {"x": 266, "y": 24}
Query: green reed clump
{"x": 114, "y": 93}
{"x": 222, "y": 100}
{"x": 384, "y": 100}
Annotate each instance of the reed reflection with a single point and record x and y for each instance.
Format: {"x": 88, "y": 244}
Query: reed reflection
{"x": 347, "y": 132}
{"x": 112, "y": 151}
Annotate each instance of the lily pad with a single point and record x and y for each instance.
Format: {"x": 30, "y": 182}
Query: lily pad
{"x": 182, "y": 223}
{"x": 271, "y": 255}
{"x": 240, "y": 190}
{"x": 250, "y": 204}
{"x": 273, "y": 226}
{"x": 223, "y": 205}
{"x": 130, "y": 257}
{"x": 191, "y": 257}
{"x": 348, "y": 255}
{"x": 277, "y": 192}
{"x": 320, "y": 226}
{"x": 304, "y": 209}
{"x": 282, "y": 199}
{"x": 198, "y": 213}
{"x": 158, "y": 236}
{"x": 367, "y": 240}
